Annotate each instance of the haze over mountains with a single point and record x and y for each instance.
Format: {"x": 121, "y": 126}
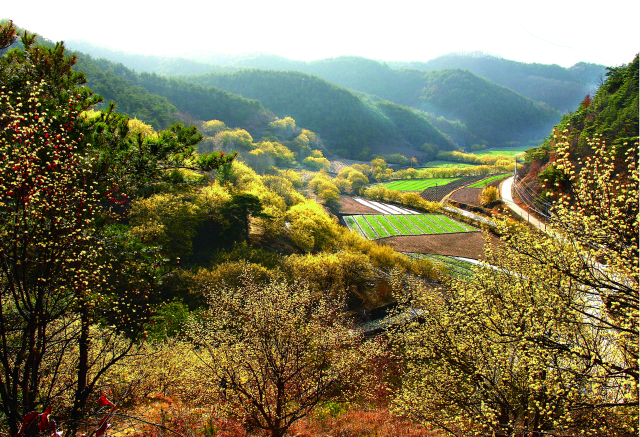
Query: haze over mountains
{"x": 359, "y": 107}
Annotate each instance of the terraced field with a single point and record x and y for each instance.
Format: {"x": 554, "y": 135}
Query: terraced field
{"x": 418, "y": 184}
{"x": 445, "y": 164}
{"x": 488, "y": 181}
{"x": 374, "y": 226}
{"x": 510, "y": 152}
{"x": 454, "y": 265}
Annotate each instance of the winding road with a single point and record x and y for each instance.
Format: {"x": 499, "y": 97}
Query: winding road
{"x": 507, "y": 198}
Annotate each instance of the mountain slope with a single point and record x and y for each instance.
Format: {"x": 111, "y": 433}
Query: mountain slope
{"x": 612, "y": 115}
{"x": 492, "y": 112}
{"x": 559, "y": 87}
{"x": 347, "y": 123}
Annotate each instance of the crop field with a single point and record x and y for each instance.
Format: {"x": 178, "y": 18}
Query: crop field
{"x": 455, "y": 266}
{"x": 418, "y": 184}
{"x": 445, "y": 164}
{"x": 488, "y": 181}
{"x": 509, "y": 152}
{"x": 374, "y": 226}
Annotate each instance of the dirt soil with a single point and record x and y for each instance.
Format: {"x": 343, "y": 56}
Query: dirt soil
{"x": 468, "y": 196}
{"x": 467, "y": 245}
{"x": 348, "y": 205}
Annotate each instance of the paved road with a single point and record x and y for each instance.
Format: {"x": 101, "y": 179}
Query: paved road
{"x": 507, "y": 189}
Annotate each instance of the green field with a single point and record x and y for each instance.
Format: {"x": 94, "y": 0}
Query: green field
{"x": 455, "y": 266}
{"x": 487, "y": 181}
{"x": 445, "y": 164}
{"x": 418, "y": 184}
{"x": 510, "y": 152}
{"x": 376, "y": 226}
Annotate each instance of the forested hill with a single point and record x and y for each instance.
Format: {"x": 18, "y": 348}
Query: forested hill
{"x": 120, "y": 84}
{"x": 501, "y": 116}
{"x": 161, "y": 101}
{"x": 349, "y": 124}
{"x": 611, "y": 115}
{"x": 492, "y": 112}
{"x": 561, "y": 88}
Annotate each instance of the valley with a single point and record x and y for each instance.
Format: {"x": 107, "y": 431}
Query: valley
{"x": 341, "y": 247}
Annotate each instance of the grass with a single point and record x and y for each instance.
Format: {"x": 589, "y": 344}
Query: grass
{"x": 455, "y": 266}
{"x": 409, "y": 225}
{"x": 437, "y": 228}
{"x": 485, "y": 182}
{"x": 509, "y": 152}
{"x": 366, "y": 228}
{"x": 423, "y": 227}
{"x": 418, "y": 184}
{"x": 445, "y": 164}
{"x": 351, "y": 223}
{"x": 452, "y": 223}
{"x": 440, "y": 221}
{"x": 375, "y": 224}
{"x": 382, "y": 219}
{"x": 399, "y": 226}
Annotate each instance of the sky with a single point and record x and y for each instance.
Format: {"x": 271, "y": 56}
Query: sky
{"x": 550, "y": 32}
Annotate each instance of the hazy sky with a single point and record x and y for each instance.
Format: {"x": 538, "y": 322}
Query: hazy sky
{"x": 557, "y": 31}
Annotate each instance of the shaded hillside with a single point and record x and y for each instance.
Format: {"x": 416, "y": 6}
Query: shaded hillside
{"x": 349, "y": 124}
{"x": 492, "y": 112}
{"x": 611, "y": 114}
{"x": 415, "y": 127}
{"x": 115, "y": 82}
{"x": 502, "y": 115}
{"x": 559, "y": 87}
{"x": 403, "y": 87}
{"x": 131, "y": 99}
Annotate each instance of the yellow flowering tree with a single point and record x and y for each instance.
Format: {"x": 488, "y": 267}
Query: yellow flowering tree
{"x": 272, "y": 352}
{"x": 544, "y": 339}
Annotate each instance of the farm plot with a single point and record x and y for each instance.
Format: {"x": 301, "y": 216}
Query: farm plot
{"x": 445, "y": 164}
{"x": 380, "y": 225}
{"x": 453, "y": 265}
{"x": 418, "y": 184}
{"x": 488, "y": 181}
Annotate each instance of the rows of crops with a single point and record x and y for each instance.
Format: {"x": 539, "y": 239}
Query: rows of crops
{"x": 488, "y": 181}
{"x": 445, "y": 164}
{"x": 418, "y": 184}
{"x": 510, "y": 152}
{"x": 454, "y": 265}
{"x": 376, "y": 226}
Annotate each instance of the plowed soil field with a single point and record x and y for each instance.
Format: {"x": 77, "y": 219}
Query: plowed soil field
{"x": 468, "y": 245}
{"x": 348, "y": 205}
{"x": 467, "y": 195}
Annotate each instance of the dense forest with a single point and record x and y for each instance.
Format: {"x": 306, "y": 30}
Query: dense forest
{"x": 610, "y": 116}
{"x": 539, "y": 93}
{"x": 178, "y": 256}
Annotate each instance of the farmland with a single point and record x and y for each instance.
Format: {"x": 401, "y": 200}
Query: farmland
{"x": 418, "y": 184}
{"x": 488, "y": 181}
{"x": 445, "y": 164}
{"x": 374, "y": 226}
{"x": 510, "y": 152}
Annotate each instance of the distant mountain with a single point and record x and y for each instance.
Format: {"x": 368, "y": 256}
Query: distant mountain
{"x": 561, "y": 88}
{"x": 163, "y": 65}
{"x": 349, "y": 124}
{"x": 490, "y": 111}
{"x": 160, "y": 100}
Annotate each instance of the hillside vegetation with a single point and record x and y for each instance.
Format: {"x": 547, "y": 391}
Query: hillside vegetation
{"x": 199, "y": 280}
{"x": 347, "y": 123}
{"x": 610, "y": 116}
{"x": 561, "y": 88}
